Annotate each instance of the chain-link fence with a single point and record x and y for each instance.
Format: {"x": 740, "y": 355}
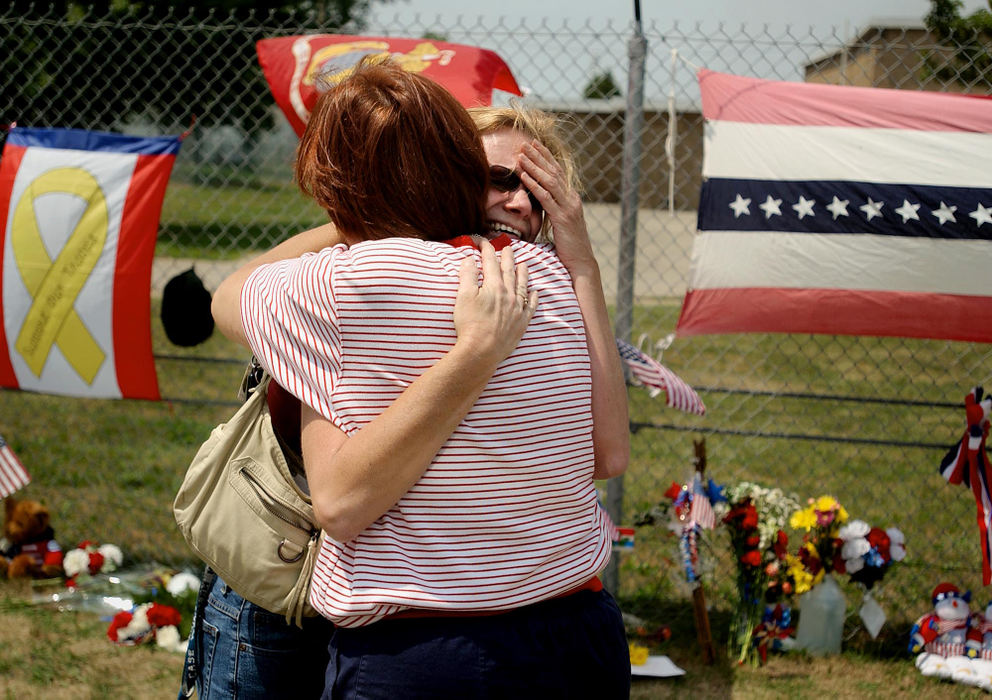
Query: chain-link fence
{"x": 864, "y": 419}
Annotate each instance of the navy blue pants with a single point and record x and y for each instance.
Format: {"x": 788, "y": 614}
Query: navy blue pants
{"x": 571, "y": 647}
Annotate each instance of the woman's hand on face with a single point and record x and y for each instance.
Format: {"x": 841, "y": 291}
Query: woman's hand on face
{"x": 545, "y": 179}
{"x": 490, "y": 319}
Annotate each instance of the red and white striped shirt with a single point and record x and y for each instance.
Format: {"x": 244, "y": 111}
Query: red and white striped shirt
{"x": 507, "y": 514}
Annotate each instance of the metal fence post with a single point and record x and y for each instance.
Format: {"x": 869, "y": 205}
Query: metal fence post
{"x": 630, "y": 182}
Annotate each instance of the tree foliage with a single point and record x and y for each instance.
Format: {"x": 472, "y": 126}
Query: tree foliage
{"x": 601, "y": 87}
{"x": 970, "y": 38}
{"x": 164, "y": 61}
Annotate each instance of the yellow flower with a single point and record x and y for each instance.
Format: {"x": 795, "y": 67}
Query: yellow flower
{"x": 638, "y": 654}
{"x": 825, "y": 504}
{"x": 804, "y": 519}
{"x": 800, "y": 577}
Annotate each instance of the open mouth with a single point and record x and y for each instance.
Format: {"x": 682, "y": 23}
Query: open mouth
{"x": 496, "y": 228}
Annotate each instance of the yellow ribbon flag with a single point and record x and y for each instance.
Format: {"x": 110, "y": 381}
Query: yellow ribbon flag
{"x": 54, "y": 285}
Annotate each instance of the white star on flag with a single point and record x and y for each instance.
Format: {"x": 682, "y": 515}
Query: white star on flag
{"x": 908, "y": 211}
{"x": 872, "y": 208}
{"x": 982, "y": 215}
{"x": 771, "y": 207}
{"x": 804, "y": 207}
{"x": 741, "y": 205}
{"x": 945, "y": 213}
{"x": 838, "y": 207}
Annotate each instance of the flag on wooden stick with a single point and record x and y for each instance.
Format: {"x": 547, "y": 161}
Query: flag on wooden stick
{"x": 658, "y": 378}
{"x": 13, "y": 475}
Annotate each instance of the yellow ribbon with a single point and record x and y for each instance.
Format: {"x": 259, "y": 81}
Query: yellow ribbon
{"x": 54, "y": 285}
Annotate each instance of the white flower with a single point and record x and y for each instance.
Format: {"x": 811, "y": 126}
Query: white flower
{"x": 854, "y": 529}
{"x": 137, "y": 627}
{"x": 855, "y": 548}
{"x": 853, "y": 566}
{"x": 76, "y": 562}
{"x": 112, "y": 557}
{"x": 897, "y": 544}
{"x": 182, "y": 582}
{"x": 168, "y": 638}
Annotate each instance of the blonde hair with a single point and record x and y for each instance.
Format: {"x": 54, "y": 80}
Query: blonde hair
{"x": 537, "y": 124}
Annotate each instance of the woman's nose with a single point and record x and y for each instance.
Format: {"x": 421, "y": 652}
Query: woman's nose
{"x": 518, "y": 200}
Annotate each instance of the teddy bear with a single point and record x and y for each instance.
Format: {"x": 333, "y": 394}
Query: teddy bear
{"x": 28, "y": 545}
{"x": 943, "y": 637}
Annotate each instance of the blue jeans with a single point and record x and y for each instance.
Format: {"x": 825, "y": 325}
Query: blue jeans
{"x": 248, "y": 652}
{"x": 571, "y": 647}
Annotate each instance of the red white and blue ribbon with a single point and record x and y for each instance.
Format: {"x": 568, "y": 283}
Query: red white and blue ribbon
{"x": 968, "y": 463}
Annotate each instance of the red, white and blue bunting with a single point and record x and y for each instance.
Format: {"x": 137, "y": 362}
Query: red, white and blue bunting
{"x": 967, "y": 463}
{"x": 842, "y": 210}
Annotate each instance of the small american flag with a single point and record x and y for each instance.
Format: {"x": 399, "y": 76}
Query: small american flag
{"x": 658, "y": 378}
{"x": 13, "y": 475}
{"x": 701, "y": 510}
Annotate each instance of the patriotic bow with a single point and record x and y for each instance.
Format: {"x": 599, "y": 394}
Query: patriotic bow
{"x": 968, "y": 463}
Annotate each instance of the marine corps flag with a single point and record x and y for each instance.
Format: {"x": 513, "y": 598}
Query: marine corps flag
{"x": 295, "y": 66}
{"x": 79, "y": 212}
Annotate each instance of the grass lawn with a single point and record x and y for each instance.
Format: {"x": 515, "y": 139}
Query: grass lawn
{"x": 872, "y": 438}
{"x": 51, "y": 655}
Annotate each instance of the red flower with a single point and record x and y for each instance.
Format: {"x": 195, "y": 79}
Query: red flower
{"x": 838, "y": 563}
{"x": 96, "y": 563}
{"x": 752, "y": 558}
{"x": 750, "y": 521}
{"x": 878, "y": 539}
{"x": 162, "y": 615}
{"x": 121, "y": 619}
{"x": 810, "y": 561}
{"x": 781, "y": 545}
{"x": 752, "y": 541}
{"x": 673, "y": 491}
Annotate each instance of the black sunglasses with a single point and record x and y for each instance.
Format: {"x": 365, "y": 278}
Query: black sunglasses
{"x": 506, "y": 180}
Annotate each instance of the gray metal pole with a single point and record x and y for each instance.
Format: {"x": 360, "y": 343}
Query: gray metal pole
{"x": 630, "y": 184}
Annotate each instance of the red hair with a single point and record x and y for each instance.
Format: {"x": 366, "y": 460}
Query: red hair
{"x": 387, "y": 152}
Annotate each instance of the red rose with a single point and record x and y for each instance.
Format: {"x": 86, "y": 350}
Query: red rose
{"x": 752, "y": 558}
{"x": 121, "y": 619}
{"x": 162, "y": 615}
{"x": 753, "y": 541}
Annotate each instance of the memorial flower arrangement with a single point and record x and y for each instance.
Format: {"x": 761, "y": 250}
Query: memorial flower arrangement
{"x": 820, "y": 551}
{"x": 755, "y": 519}
{"x": 867, "y": 551}
{"x": 90, "y": 559}
{"x": 146, "y": 623}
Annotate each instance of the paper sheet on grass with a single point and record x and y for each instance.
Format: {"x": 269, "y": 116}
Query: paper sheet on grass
{"x": 657, "y": 667}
